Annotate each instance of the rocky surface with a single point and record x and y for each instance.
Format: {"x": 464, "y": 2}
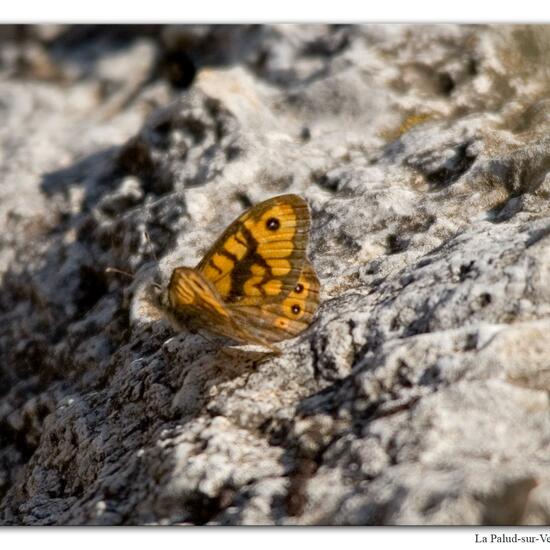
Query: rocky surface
{"x": 420, "y": 393}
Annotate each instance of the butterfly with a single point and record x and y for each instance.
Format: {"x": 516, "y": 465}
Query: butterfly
{"x": 255, "y": 285}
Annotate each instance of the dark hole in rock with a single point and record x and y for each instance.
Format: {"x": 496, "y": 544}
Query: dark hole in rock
{"x": 93, "y": 285}
{"x": 446, "y": 84}
{"x": 179, "y": 69}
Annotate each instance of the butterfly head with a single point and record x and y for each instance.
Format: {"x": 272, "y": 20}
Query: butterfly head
{"x": 162, "y": 296}
{"x": 158, "y": 294}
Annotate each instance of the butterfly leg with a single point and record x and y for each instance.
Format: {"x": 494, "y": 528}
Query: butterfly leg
{"x": 212, "y": 343}
{"x": 204, "y": 337}
{"x": 274, "y": 350}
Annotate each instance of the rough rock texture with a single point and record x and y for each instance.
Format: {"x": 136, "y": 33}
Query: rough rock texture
{"x": 420, "y": 393}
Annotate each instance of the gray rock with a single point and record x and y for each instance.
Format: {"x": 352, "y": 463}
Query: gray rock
{"x": 419, "y": 395}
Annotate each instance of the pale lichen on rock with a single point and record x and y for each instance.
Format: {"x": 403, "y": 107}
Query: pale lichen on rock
{"x": 420, "y": 393}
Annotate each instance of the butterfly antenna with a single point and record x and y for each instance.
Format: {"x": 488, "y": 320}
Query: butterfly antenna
{"x": 215, "y": 346}
{"x": 131, "y": 275}
{"x": 204, "y": 337}
{"x": 115, "y": 270}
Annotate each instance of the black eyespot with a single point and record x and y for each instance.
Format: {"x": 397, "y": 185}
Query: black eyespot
{"x": 295, "y": 309}
{"x": 273, "y": 224}
{"x": 299, "y": 288}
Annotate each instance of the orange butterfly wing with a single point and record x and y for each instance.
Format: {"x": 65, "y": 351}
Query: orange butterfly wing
{"x": 255, "y": 284}
{"x": 276, "y": 320}
{"x": 262, "y": 252}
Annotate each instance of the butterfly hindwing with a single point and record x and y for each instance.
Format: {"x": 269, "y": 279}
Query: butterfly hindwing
{"x": 194, "y": 304}
{"x": 261, "y": 253}
{"x": 276, "y": 320}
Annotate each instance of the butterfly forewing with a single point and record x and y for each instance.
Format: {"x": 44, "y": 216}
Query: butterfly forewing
{"x": 261, "y": 253}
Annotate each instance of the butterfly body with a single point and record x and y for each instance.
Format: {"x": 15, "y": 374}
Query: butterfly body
{"x": 255, "y": 284}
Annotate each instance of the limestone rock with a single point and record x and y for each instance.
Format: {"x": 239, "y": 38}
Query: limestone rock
{"x": 418, "y": 395}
